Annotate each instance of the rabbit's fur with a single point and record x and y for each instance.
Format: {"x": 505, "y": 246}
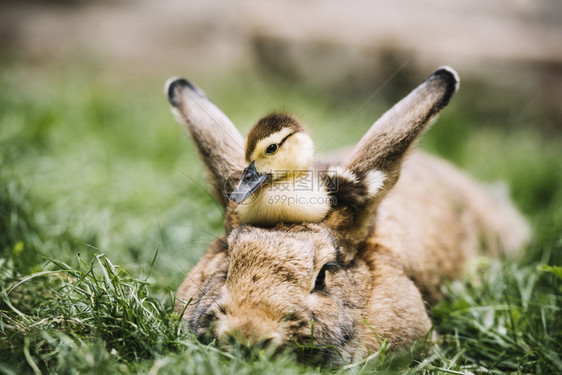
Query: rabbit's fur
{"x": 387, "y": 249}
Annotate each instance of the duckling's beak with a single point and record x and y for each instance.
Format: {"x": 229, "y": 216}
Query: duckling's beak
{"x": 251, "y": 180}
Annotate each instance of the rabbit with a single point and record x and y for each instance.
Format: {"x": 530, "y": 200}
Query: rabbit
{"x": 365, "y": 273}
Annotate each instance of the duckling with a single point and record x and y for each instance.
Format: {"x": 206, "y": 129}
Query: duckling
{"x": 279, "y": 184}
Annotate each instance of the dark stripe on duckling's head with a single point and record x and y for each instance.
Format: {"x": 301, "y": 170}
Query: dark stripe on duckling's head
{"x": 269, "y": 125}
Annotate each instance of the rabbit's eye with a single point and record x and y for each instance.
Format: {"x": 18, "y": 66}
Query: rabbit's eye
{"x": 320, "y": 283}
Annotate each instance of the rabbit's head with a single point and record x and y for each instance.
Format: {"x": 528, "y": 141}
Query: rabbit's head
{"x": 323, "y": 286}
{"x": 283, "y": 285}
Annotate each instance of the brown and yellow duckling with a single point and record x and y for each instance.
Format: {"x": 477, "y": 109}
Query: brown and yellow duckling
{"x": 279, "y": 184}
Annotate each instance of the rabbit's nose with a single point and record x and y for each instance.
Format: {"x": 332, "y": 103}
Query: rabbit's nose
{"x": 237, "y": 339}
{"x": 249, "y": 327}
{"x": 250, "y": 346}
{"x": 265, "y": 343}
{"x": 260, "y": 341}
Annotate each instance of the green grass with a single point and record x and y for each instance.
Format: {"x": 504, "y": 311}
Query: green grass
{"x": 103, "y": 210}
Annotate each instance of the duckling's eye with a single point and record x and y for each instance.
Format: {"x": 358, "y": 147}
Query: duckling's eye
{"x": 271, "y": 149}
{"x": 320, "y": 283}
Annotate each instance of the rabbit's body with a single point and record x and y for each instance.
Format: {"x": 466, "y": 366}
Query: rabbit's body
{"x": 362, "y": 274}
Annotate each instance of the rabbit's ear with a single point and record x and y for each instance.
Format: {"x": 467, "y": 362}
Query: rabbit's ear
{"x": 374, "y": 165}
{"x": 383, "y": 147}
{"x": 219, "y": 143}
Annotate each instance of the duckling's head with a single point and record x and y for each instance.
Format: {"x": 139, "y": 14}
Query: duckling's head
{"x": 279, "y": 142}
{"x": 275, "y": 147}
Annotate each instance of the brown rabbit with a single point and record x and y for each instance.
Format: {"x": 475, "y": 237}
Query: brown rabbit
{"x": 362, "y": 274}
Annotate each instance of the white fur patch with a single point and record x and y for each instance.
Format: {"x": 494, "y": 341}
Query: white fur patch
{"x": 375, "y": 182}
{"x": 339, "y": 171}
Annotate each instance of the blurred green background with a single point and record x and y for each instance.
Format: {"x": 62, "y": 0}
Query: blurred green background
{"x": 89, "y": 145}
{"x": 91, "y": 159}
